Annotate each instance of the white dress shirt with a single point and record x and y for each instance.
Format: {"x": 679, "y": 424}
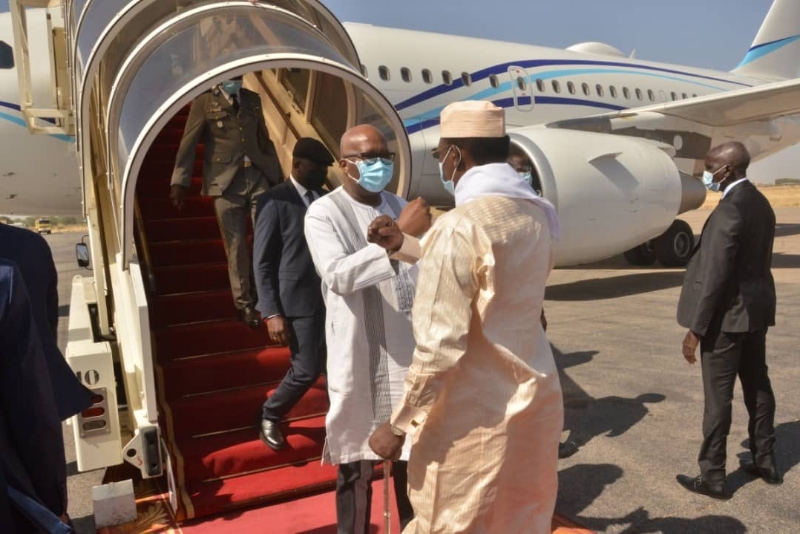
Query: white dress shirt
{"x": 302, "y": 190}
{"x": 734, "y": 184}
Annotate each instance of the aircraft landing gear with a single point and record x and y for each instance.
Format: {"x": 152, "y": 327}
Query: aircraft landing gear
{"x": 672, "y": 248}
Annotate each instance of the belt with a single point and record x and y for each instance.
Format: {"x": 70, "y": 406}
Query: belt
{"x": 246, "y": 163}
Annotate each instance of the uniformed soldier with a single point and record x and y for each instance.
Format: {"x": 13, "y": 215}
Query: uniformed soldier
{"x": 240, "y": 165}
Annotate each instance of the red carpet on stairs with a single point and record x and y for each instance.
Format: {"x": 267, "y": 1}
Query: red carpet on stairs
{"x": 213, "y": 372}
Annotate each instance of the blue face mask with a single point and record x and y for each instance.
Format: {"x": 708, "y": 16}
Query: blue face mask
{"x": 231, "y": 86}
{"x": 527, "y": 176}
{"x": 449, "y": 185}
{"x": 708, "y": 180}
{"x": 374, "y": 177}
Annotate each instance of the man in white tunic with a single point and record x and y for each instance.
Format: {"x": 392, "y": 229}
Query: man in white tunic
{"x": 482, "y": 398}
{"x": 368, "y": 324}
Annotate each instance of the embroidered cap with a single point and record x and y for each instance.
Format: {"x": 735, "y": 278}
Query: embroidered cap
{"x": 473, "y": 118}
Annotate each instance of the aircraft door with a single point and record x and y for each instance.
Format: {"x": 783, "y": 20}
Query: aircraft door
{"x": 521, "y": 88}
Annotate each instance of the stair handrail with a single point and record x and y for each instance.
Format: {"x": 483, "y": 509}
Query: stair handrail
{"x": 147, "y": 263}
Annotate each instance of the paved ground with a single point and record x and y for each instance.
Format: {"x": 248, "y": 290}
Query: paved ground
{"x": 633, "y": 404}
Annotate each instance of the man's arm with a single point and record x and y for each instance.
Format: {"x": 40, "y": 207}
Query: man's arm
{"x": 343, "y": 273}
{"x": 267, "y": 249}
{"x": 719, "y": 247}
{"x": 194, "y": 130}
{"x": 442, "y": 315}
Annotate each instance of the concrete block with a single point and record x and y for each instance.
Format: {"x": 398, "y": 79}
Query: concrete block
{"x": 114, "y": 504}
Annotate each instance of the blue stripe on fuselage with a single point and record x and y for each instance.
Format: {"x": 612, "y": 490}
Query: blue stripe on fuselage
{"x": 503, "y": 69}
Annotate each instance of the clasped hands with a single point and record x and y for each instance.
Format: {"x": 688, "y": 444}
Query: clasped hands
{"x": 415, "y": 220}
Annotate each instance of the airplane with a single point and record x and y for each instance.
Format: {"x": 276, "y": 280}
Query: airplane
{"x": 617, "y": 144}
{"x": 614, "y": 193}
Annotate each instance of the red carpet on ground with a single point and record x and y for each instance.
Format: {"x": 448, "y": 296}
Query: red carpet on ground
{"x": 213, "y": 372}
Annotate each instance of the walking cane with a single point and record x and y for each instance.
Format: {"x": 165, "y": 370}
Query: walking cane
{"x": 387, "y": 470}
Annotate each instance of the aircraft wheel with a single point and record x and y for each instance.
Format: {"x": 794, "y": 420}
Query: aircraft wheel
{"x": 641, "y": 256}
{"x": 674, "y": 247}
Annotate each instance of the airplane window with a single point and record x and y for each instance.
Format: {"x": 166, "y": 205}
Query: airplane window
{"x": 626, "y": 93}
{"x": 427, "y": 77}
{"x": 447, "y": 78}
{"x": 673, "y": 95}
{"x": 384, "y": 72}
{"x": 521, "y": 83}
{"x": 364, "y": 71}
{"x": 650, "y": 95}
{"x": 540, "y": 85}
{"x": 405, "y": 74}
{"x": 571, "y": 88}
{"x": 466, "y": 79}
{"x": 683, "y": 96}
{"x": 556, "y": 86}
{"x": 586, "y": 90}
{"x": 494, "y": 81}
{"x": 613, "y": 91}
{"x": 638, "y": 93}
{"x": 6, "y": 56}
{"x": 694, "y": 95}
{"x": 599, "y": 89}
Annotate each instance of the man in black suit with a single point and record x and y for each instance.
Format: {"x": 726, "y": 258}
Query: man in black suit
{"x": 33, "y": 486}
{"x": 240, "y": 165}
{"x": 32, "y": 255}
{"x": 727, "y": 303}
{"x": 289, "y": 290}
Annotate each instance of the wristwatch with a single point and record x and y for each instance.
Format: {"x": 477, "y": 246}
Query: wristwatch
{"x": 397, "y": 431}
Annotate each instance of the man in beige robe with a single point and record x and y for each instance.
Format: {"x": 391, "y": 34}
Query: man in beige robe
{"x": 482, "y": 397}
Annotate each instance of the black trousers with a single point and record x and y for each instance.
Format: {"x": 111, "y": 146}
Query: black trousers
{"x": 354, "y": 496}
{"x": 307, "y": 343}
{"x": 724, "y": 357}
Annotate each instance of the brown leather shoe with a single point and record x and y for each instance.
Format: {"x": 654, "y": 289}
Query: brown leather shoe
{"x": 701, "y": 487}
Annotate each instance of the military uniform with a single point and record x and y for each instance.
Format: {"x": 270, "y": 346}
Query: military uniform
{"x": 240, "y": 165}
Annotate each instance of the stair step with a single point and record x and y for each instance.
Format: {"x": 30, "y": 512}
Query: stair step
{"x": 241, "y": 408}
{"x": 242, "y": 452}
{"x": 208, "y": 338}
{"x": 162, "y": 208}
{"x": 187, "y": 308}
{"x": 175, "y": 229}
{"x": 192, "y": 278}
{"x": 157, "y": 185}
{"x": 209, "y": 373}
{"x": 218, "y": 496}
{"x": 167, "y": 148}
{"x": 187, "y": 252}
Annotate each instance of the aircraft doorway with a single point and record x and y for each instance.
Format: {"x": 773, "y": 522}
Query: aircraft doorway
{"x": 521, "y": 87}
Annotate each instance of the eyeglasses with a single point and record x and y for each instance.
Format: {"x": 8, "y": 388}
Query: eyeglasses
{"x": 371, "y": 159}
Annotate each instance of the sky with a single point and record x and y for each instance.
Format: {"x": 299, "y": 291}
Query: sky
{"x": 713, "y": 34}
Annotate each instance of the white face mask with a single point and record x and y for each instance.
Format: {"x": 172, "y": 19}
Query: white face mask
{"x": 449, "y": 185}
{"x": 708, "y": 180}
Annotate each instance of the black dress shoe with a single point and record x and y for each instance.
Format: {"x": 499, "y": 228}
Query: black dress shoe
{"x": 770, "y": 474}
{"x": 250, "y": 317}
{"x": 272, "y": 436}
{"x": 700, "y": 486}
{"x": 566, "y": 449}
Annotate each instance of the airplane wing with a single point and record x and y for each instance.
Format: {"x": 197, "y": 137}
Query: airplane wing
{"x": 731, "y": 108}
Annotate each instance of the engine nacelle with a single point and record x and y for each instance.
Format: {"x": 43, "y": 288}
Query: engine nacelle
{"x": 612, "y": 193}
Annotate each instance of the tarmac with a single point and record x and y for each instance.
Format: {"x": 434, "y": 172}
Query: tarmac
{"x": 633, "y": 404}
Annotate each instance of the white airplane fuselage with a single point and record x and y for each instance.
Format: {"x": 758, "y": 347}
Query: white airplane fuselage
{"x": 420, "y": 73}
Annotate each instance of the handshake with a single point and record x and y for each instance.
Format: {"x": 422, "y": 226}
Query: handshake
{"x": 414, "y": 220}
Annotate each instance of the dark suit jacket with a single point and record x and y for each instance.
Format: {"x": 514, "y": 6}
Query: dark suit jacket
{"x": 32, "y": 255}
{"x": 728, "y": 283}
{"x": 31, "y": 442}
{"x": 286, "y": 280}
{"x": 227, "y": 137}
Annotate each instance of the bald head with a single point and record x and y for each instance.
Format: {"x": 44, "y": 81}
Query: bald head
{"x": 363, "y": 139}
{"x": 733, "y": 154}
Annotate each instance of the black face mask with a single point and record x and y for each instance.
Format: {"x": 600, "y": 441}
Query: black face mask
{"x": 316, "y": 178}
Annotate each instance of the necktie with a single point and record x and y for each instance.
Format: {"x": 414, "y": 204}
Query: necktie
{"x": 235, "y": 102}
{"x": 309, "y": 196}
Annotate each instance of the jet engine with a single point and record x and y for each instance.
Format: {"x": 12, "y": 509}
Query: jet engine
{"x": 612, "y": 194}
